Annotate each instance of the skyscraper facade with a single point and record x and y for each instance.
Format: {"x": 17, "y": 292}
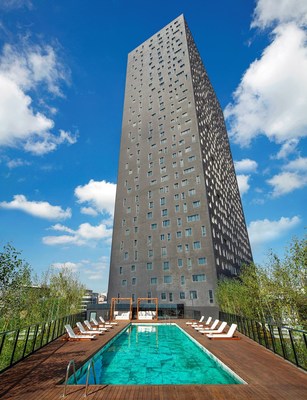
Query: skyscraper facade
{"x": 179, "y": 223}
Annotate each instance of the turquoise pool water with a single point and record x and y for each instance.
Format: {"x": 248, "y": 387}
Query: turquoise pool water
{"x": 155, "y": 355}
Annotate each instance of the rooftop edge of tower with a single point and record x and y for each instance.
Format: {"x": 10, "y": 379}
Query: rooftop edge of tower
{"x": 180, "y": 18}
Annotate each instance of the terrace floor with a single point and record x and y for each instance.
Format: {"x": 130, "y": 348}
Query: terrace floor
{"x": 268, "y": 376}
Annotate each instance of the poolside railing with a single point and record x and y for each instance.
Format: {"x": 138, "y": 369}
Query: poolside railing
{"x": 289, "y": 343}
{"x": 18, "y": 344}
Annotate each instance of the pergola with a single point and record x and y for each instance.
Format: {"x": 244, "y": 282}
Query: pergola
{"x": 115, "y": 300}
{"x": 142, "y": 299}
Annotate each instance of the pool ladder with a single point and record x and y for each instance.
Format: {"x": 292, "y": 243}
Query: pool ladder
{"x": 90, "y": 366}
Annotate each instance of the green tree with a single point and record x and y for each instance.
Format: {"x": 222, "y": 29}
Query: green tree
{"x": 15, "y": 280}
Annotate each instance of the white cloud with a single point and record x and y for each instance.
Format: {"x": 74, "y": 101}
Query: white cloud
{"x": 17, "y": 163}
{"x": 243, "y": 183}
{"x": 268, "y": 12}
{"x": 86, "y": 234}
{"x": 89, "y": 211}
{"x": 263, "y": 231}
{"x": 74, "y": 267}
{"x": 271, "y": 97}
{"x": 245, "y": 165}
{"x": 100, "y": 195}
{"x": 287, "y": 148}
{"x": 24, "y": 69}
{"x": 40, "y": 209}
{"x": 286, "y": 182}
{"x": 300, "y": 164}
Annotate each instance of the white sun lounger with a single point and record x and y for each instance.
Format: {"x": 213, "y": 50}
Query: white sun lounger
{"x": 73, "y": 336}
{"x": 85, "y": 332}
{"x": 212, "y": 327}
{"x": 228, "y": 335}
{"x": 100, "y": 326}
{"x": 104, "y": 322}
{"x": 91, "y": 328}
{"x": 199, "y": 322}
{"x": 219, "y": 330}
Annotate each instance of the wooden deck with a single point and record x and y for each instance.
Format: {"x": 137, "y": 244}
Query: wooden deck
{"x": 268, "y": 376}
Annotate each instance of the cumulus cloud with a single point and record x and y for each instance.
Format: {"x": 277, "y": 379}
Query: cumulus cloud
{"x": 271, "y": 97}
{"x": 89, "y": 211}
{"x": 23, "y": 70}
{"x": 289, "y": 147}
{"x": 86, "y": 234}
{"x": 245, "y": 165}
{"x": 74, "y": 267}
{"x": 99, "y": 195}
{"x": 263, "y": 231}
{"x": 286, "y": 182}
{"x": 41, "y": 209}
{"x": 243, "y": 183}
{"x": 299, "y": 164}
{"x": 268, "y": 12}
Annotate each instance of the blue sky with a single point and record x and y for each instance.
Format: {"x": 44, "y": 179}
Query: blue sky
{"x": 62, "y": 79}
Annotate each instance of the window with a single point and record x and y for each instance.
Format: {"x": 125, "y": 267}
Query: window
{"x": 126, "y": 255}
{"x": 211, "y": 299}
{"x": 169, "y": 236}
{"x": 186, "y": 247}
{"x": 179, "y": 248}
{"x": 149, "y": 239}
{"x": 182, "y": 280}
{"x": 193, "y": 294}
{"x": 178, "y": 234}
{"x": 166, "y": 222}
{"x": 164, "y": 212}
{"x": 166, "y": 265}
{"x": 180, "y": 262}
{"x": 203, "y": 231}
{"x": 177, "y": 208}
{"x": 163, "y": 251}
{"x": 120, "y": 270}
{"x": 162, "y": 201}
{"x": 192, "y": 218}
{"x": 179, "y": 221}
{"x": 196, "y": 204}
{"x": 124, "y": 282}
{"x": 202, "y": 261}
{"x": 132, "y": 268}
{"x": 150, "y": 204}
{"x": 176, "y": 196}
{"x": 153, "y": 226}
{"x": 192, "y": 192}
{"x": 150, "y": 253}
{"x": 170, "y": 296}
{"x": 162, "y": 237}
{"x": 182, "y": 295}
{"x": 149, "y": 215}
{"x": 189, "y": 263}
{"x": 196, "y": 245}
{"x": 133, "y": 281}
{"x": 153, "y": 281}
{"x": 163, "y": 296}
{"x": 199, "y": 278}
{"x": 167, "y": 279}
{"x": 188, "y": 232}
{"x": 149, "y": 266}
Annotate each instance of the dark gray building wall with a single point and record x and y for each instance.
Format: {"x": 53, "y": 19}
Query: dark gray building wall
{"x": 177, "y": 201}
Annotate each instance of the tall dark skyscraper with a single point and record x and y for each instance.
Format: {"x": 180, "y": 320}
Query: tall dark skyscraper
{"x": 179, "y": 223}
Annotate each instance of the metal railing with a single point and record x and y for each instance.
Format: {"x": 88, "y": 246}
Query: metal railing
{"x": 18, "y": 344}
{"x": 289, "y": 343}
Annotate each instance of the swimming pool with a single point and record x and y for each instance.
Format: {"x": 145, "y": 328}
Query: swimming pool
{"x": 156, "y": 354}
